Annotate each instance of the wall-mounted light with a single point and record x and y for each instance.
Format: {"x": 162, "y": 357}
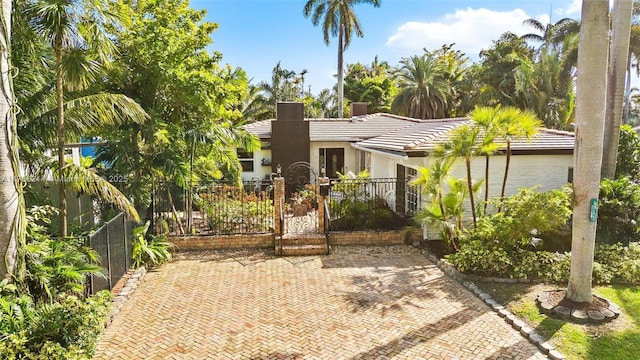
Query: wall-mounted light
{"x": 279, "y": 170}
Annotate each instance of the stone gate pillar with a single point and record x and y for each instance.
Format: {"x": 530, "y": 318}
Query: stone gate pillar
{"x": 278, "y": 203}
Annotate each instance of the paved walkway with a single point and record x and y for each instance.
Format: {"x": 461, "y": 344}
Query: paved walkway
{"x": 393, "y": 304}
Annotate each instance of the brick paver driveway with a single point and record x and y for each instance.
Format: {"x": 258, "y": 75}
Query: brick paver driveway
{"x": 390, "y": 303}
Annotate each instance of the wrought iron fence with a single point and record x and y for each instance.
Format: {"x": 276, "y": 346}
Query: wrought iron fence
{"x": 112, "y": 241}
{"x": 221, "y": 208}
{"x": 374, "y": 204}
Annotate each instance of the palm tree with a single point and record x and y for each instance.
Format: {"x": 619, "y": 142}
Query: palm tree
{"x": 438, "y": 210}
{"x": 12, "y": 214}
{"x": 590, "y": 115}
{"x": 486, "y": 118}
{"x": 423, "y": 90}
{"x": 619, "y": 57}
{"x": 338, "y": 19}
{"x": 551, "y": 35}
{"x": 72, "y": 27}
{"x": 514, "y": 124}
{"x": 464, "y": 142}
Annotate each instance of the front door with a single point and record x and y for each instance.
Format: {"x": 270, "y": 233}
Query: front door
{"x": 334, "y": 162}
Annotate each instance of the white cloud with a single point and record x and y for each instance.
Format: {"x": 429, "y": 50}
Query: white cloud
{"x": 572, "y": 10}
{"x": 470, "y": 29}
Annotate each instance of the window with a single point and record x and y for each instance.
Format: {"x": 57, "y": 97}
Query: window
{"x": 243, "y": 154}
{"x": 247, "y": 165}
{"x": 363, "y": 160}
{"x": 407, "y": 196}
{"x": 246, "y": 160}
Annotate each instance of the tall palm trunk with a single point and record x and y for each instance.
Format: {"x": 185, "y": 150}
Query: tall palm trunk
{"x": 61, "y": 140}
{"x": 591, "y": 90}
{"x": 470, "y": 185}
{"x": 619, "y": 57}
{"x": 340, "y": 71}
{"x": 507, "y": 163}
{"x": 9, "y": 194}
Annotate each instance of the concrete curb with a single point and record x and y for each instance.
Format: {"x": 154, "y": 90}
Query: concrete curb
{"x": 519, "y": 325}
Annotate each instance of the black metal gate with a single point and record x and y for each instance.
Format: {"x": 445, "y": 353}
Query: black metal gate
{"x": 301, "y": 199}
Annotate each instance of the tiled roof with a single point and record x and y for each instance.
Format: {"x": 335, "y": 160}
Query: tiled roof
{"x": 345, "y": 129}
{"x": 428, "y": 134}
{"x": 401, "y": 134}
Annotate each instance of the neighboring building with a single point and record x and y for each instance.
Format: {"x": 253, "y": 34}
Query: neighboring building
{"x": 390, "y": 146}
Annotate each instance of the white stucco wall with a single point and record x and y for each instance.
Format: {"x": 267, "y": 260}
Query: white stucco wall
{"x": 546, "y": 171}
{"x": 259, "y": 170}
{"x": 349, "y": 154}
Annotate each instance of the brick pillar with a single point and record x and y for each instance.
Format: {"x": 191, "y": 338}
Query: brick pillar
{"x": 278, "y": 195}
{"x": 321, "y": 181}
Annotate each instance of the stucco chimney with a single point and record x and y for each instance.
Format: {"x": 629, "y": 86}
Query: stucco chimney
{"x": 290, "y": 111}
{"x": 358, "y": 109}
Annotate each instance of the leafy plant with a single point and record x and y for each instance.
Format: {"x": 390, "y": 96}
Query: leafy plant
{"x": 628, "y": 162}
{"x": 526, "y": 215}
{"x": 618, "y": 211}
{"x": 67, "y": 329}
{"x": 55, "y": 266}
{"x": 150, "y": 250}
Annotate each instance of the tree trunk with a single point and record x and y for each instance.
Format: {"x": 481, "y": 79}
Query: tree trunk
{"x": 340, "y": 71}
{"x": 627, "y": 93}
{"x": 619, "y": 58}
{"x": 471, "y": 197}
{"x": 486, "y": 182}
{"x": 60, "y": 102}
{"x": 9, "y": 195}
{"x": 507, "y": 163}
{"x": 591, "y": 89}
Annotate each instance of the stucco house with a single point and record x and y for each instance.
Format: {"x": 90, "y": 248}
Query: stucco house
{"x": 391, "y": 146}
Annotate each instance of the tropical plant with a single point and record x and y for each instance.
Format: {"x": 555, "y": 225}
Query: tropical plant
{"x": 464, "y": 142}
{"x": 76, "y": 31}
{"x": 424, "y": 91}
{"x": 618, "y": 211}
{"x": 338, "y": 19}
{"x": 551, "y": 35}
{"x": 514, "y": 124}
{"x": 67, "y": 329}
{"x": 526, "y": 215}
{"x": 55, "y": 266}
{"x": 443, "y": 208}
{"x": 149, "y": 250}
{"x": 628, "y": 154}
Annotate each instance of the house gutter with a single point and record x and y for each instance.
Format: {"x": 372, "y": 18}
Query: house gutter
{"x": 357, "y": 147}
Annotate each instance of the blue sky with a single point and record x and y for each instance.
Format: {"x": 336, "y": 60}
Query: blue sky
{"x": 256, "y": 34}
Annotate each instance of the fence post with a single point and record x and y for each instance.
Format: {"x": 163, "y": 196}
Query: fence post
{"x": 322, "y": 182}
{"x": 278, "y": 193}
{"x": 127, "y": 255}
{"x": 108, "y": 241}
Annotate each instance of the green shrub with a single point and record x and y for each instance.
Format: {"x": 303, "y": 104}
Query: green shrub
{"x": 475, "y": 258}
{"x": 371, "y": 214}
{"x": 524, "y": 215}
{"x": 628, "y": 162}
{"x": 618, "y": 211}
{"x": 67, "y": 329}
{"x": 55, "y": 266}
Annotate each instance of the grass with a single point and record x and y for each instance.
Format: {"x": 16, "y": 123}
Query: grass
{"x": 619, "y": 339}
